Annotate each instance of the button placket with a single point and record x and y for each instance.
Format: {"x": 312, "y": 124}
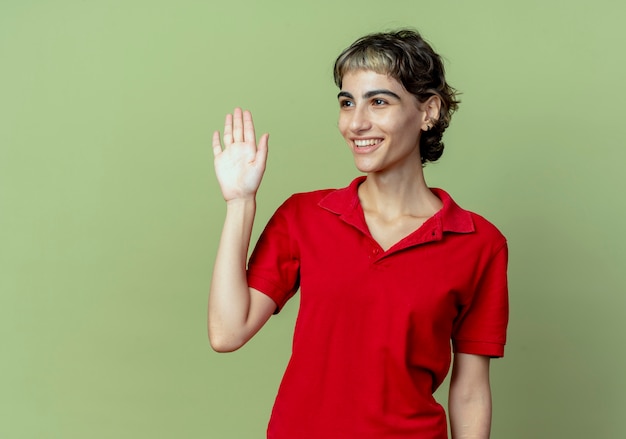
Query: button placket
{"x": 374, "y": 254}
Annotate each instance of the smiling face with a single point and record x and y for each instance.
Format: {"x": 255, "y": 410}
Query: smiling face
{"x": 381, "y": 122}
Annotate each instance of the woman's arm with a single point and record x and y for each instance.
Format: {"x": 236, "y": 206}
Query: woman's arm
{"x": 469, "y": 401}
{"x": 236, "y": 312}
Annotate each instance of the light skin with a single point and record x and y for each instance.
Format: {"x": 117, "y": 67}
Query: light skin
{"x": 381, "y": 123}
{"x": 236, "y": 312}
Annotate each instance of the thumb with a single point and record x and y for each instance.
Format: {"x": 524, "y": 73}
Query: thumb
{"x": 262, "y": 148}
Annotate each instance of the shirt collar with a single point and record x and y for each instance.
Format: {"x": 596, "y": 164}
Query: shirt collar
{"x": 345, "y": 203}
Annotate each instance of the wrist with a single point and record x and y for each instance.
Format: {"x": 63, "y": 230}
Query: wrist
{"x": 242, "y": 200}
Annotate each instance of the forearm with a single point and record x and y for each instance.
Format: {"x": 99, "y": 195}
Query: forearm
{"x": 229, "y": 297}
{"x": 470, "y": 418}
{"x": 469, "y": 401}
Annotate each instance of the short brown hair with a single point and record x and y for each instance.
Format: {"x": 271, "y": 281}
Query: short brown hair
{"x": 409, "y": 59}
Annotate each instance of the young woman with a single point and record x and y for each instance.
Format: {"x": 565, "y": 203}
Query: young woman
{"x": 394, "y": 276}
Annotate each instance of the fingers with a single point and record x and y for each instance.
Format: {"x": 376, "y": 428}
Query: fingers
{"x": 217, "y": 147}
{"x": 228, "y": 130}
{"x": 238, "y": 128}
{"x": 237, "y": 125}
{"x": 248, "y": 127}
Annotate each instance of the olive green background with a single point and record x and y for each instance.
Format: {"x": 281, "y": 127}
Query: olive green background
{"x": 110, "y": 213}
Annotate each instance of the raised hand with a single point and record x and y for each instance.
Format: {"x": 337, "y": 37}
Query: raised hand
{"x": 240, "y": 164}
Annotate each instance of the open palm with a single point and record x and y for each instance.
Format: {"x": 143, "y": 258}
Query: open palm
{"x": 240, "y": 163}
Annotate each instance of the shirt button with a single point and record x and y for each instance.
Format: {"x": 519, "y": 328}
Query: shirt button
{"x": 375, "y": 251}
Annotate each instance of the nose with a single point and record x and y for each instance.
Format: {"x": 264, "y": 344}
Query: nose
{"x": 360, "y": 120}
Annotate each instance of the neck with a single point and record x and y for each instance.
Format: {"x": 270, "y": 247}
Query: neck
{"x": 398, "y": 194}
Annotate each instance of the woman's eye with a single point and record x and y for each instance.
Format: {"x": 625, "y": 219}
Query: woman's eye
{"x": 346, "y": 103}
{"x": 379, "y": 102}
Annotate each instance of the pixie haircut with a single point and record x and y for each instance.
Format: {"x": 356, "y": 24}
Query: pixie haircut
{"x": 406, "y": 57}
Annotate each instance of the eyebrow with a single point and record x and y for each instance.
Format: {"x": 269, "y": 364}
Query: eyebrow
{"x": 370, "y": 94}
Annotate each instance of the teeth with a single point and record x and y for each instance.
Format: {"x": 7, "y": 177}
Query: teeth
{"x": 368, "y": 142}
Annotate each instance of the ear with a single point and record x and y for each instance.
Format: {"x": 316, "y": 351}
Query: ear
{"x": 431, "y": 108}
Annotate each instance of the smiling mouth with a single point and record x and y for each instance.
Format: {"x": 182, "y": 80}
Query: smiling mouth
{"x": 366, "y": 143}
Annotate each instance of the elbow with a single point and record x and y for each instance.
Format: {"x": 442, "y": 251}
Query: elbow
{"x": 221, "y": 347}
{"x": 222, "y": 344}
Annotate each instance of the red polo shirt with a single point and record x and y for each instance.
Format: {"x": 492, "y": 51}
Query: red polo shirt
{"x": 373, "y": 336}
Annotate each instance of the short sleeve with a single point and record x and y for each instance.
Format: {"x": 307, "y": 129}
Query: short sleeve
{"x": 274, "y": 266}
{"x": 481, "y": 326}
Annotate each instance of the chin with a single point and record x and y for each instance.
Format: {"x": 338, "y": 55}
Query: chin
{"x": 365, "y": 167}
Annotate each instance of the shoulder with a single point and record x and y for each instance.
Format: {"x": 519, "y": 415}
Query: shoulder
{"x": 486, "y": 229}
{"x": 474, "y": 226}
{"x": 333, "y": 200}
{"x": 489, "y": 238}
{"x": 305, "y": 200}
{"x": 302, "y": 205}
{"x": 310, "y": 197}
